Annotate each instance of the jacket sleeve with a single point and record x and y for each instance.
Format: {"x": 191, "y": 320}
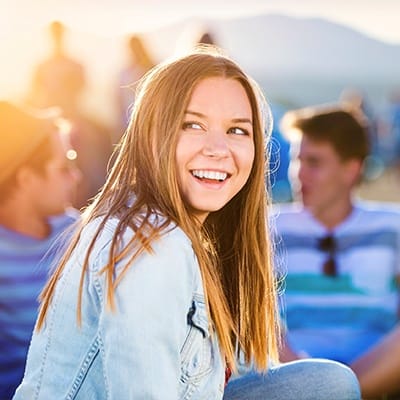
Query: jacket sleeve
{"x": 142, "y": 339}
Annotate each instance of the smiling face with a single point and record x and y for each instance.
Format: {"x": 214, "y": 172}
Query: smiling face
{"x": 215, "y": 149}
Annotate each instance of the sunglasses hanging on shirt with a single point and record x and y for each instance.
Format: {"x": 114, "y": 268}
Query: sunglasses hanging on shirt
{"x": 328, "y": 245}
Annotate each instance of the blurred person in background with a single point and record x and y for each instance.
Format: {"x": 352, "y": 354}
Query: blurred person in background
{"x": 391, "y": 130}
{"x": 207, "y": 37}
{"x": 37, "y": 183}
{"x": 60, "y": 81}
{"x": 139, "y": 61}
{"x": 340, "y": 257}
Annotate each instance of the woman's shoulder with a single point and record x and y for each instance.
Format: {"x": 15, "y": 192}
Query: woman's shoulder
{"x": 170, "y": 238}
{"x": 169, "y": 255}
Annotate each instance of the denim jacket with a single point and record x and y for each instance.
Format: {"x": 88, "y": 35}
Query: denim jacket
{"x": 155, "y": 345}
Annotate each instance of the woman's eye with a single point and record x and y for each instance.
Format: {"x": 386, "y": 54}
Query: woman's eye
{"x": 238, "y": 131}
{"x": 191, "y": 125}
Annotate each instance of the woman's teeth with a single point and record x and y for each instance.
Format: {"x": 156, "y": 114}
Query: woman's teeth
{"x": 214, "y": 175}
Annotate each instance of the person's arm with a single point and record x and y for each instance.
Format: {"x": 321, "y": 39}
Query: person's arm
{"x": 378, "y": 369}
{"x": 287, "y": 354}
{"x": 143, "y": 338}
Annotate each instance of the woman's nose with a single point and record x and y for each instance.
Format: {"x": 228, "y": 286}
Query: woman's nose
{"x": 216, "y": 144}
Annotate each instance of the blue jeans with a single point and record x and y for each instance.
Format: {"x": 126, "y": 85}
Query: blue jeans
{"x": 308, "y": 379}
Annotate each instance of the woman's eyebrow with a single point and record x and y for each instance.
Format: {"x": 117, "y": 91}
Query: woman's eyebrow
{"x": 243, "y": 120}
{"x": 235, "y": 120}
{"x": 197, "y": 114}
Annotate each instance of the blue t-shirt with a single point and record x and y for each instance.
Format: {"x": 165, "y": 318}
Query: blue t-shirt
{"x": 24, "y": 269}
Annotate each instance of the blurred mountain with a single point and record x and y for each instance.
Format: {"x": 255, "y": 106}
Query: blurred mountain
{"x": 300, "y": 60}
{"x": 307, "y": 47}
{"x": 282, "y": 45}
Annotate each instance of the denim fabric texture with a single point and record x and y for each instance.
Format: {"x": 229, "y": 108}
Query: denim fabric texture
{"x": 156, "y": 344}
{"x": 308, "y": 379}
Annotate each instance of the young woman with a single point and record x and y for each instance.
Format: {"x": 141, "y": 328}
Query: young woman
{"x": 170, "y": 274}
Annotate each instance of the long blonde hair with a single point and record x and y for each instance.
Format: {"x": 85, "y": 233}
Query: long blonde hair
{"x": 236, "y": 262}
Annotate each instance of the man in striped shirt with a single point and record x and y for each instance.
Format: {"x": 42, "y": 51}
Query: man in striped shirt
{"x": 339, "y": 257}
{"x": 37, "y": 183}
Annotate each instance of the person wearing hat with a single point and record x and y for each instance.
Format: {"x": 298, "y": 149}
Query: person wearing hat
{"x": 37, "y": 183}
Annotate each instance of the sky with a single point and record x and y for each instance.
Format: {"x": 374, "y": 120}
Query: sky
{"x": 377, "y": 18}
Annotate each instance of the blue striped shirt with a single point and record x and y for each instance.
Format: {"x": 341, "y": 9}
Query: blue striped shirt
{"x": 339, "y": 317}
{"x": 24, "y": 268}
